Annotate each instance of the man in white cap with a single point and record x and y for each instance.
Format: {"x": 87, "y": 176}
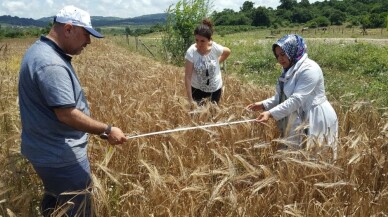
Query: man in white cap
{"x": 55, "y": 114}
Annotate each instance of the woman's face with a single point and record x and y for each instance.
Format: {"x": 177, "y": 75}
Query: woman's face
{"x": 202, "y": 42}
{"x": 282, "y": 57}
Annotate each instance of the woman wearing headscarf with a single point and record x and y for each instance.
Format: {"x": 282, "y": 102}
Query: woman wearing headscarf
{"x": 299, "y": 106}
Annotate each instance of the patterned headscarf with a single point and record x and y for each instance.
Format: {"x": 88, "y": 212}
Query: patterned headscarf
{"x": 293, "y": 45}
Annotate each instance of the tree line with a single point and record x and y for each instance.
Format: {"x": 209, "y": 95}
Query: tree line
{"x": 364, "y": 13}
{"x": 352, "y": 13}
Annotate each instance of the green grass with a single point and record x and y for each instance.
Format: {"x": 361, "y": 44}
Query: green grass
{"x": 355, "y": 68}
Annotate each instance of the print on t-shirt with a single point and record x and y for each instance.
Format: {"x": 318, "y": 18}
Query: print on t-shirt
{"x": 205, "y": 69}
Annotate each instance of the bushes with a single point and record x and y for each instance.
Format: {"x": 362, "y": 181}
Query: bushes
{"x": 179, "y": 28}
{"x": 17, "y": 32}
{"x": 223, "y": 30}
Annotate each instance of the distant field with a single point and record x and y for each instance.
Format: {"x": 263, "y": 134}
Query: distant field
{"x": 225, "y": 171}
{"x": 355, "y": 65}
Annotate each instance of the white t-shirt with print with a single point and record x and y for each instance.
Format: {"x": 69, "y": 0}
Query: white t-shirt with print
{"x": 207, "y": 73}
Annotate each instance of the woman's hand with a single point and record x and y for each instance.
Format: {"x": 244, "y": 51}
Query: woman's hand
{"x": 255, "y": 106}
{"x": 263, "y": 117}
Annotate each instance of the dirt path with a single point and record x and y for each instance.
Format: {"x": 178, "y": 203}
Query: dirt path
{"x": 350, "y": 40}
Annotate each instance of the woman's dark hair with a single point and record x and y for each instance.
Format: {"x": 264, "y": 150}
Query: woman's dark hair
{"x": 205, "y": 29}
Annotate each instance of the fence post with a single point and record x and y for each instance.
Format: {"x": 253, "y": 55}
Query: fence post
{"x": 147, "y": 48}
{"x": 137, "y": 42}
{"x": 126, "y": 34}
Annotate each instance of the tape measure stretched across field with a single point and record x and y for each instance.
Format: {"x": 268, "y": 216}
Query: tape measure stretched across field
{"x": 189, "y": 128}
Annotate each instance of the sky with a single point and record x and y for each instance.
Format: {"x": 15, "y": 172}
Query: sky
{"x": 117, "y": 8}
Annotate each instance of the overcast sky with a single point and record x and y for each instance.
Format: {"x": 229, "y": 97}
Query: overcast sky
{"x": 118, "y": 8}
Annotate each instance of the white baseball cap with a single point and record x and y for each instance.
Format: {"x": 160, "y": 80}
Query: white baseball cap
{"x": 77, "y": 17}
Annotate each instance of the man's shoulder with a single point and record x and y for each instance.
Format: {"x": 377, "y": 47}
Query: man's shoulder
{"x": 40, "y": 55}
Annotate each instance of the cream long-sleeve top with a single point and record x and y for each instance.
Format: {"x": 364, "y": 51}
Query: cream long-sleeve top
{"x": 303, "y": 87}
{"x": 306, "y": 99}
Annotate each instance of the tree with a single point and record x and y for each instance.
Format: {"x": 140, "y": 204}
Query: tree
{"x": 224, "y": 17}
{"x": 284, "y": 14}
{"x": 321, "y": 21}
{"x": 179, "y": 28}
{"x": 337, "y": 17}
{"x": 365, "y": 23}
{"x": 128, "y": 31}
{"x": 287, "y": 4}
{"x": 302, "y": 15}
{"x": 240, "y": 19}
{"x": 261, "y": 17}
{"x": 376, "y": 21}
{"x": 304, "y": 3}
{"x": 247, "y": 6}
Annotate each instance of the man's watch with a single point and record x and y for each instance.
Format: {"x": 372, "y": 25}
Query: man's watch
{"x": 106, "y": 132}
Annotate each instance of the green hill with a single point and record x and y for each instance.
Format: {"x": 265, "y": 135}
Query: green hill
{"x": 97, "y": 21}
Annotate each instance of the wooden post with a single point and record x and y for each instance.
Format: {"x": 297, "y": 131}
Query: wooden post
{"x": 137, "y": 42}
{"x": 147, "y": 48}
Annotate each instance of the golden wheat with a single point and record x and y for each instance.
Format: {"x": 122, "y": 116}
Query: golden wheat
{"x": 223, "y": 171}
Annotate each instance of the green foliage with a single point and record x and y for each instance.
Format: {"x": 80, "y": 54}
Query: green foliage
{"x": 337, "y": 17}
{"x": 253, "y": 64}
{"x": 228, "y": 17}
{"x": 302, "y": 15}
{"x": 247, "y": 7}
{"x": 181, "y": 22}
{"x": 261, "y": 17}
{"x": 223, "y": 30}
{"x": 283, "y": 14}
{"x": 321, "y": 21}
{"x": 351, "y": 67}
{"x": 119, "y": 30}
{"x": 287, "y": 4}
{"x": 20, "y": 32}
{"x": 141, "y": 31}
{"x": 127, "y": 30}
{"x": 16, "y": 32}
{"x": 369, "y": 14}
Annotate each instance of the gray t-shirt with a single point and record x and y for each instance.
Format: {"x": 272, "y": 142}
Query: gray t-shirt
{"x": 47, "y": 80}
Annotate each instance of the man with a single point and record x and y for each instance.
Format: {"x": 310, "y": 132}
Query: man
{"x": 55, "y": 114}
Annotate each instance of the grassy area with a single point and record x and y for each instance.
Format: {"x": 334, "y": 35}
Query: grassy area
{"x": 355, "y": 66}
{"x": 357, "y": 69}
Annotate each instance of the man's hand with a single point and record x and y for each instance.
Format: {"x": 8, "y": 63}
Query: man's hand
{"x": 116, "y": 136}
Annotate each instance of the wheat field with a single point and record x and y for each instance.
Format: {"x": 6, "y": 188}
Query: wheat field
{"x": 231, "y": 170}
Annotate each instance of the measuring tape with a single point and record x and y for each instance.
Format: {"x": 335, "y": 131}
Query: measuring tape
{"x": 189, "y": 128}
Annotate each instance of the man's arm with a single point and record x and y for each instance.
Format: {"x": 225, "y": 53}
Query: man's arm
{"x": 79, "y": 121}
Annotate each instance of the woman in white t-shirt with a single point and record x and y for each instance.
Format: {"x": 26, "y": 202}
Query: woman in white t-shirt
{"x": 202, "y": 68}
